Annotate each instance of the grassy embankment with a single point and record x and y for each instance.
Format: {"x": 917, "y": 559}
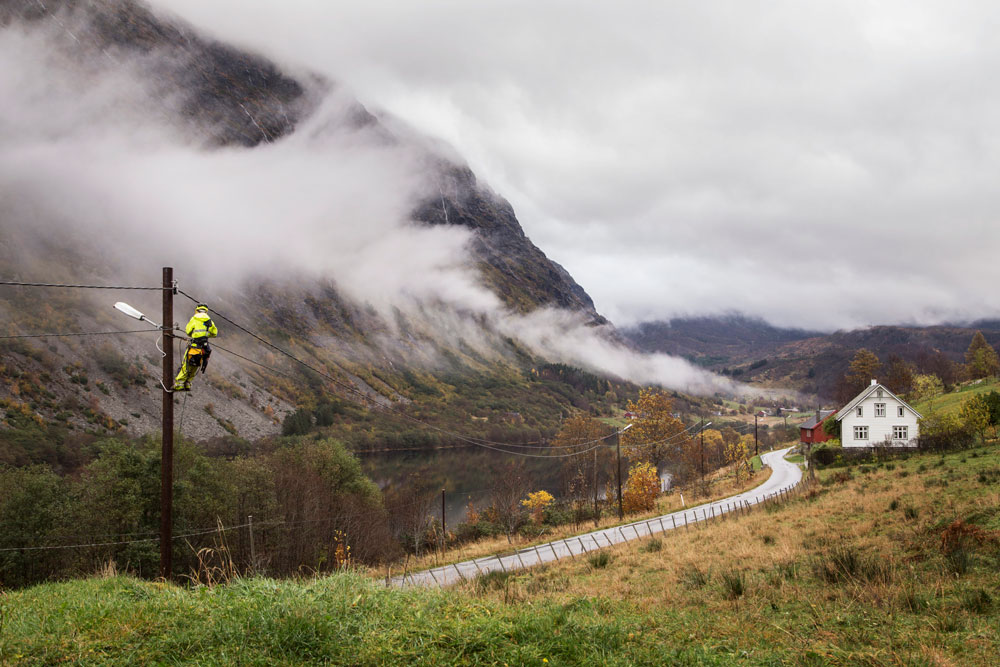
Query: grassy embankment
{"x": 861, "y": 569}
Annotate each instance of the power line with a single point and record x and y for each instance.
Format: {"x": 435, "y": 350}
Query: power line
{"x": 79, "y": 333}
{"x": 132, "y": 287}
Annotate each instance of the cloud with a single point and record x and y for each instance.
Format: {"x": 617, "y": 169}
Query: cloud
{"x": 92, "y": 152}
{"x": 822, "y": 165}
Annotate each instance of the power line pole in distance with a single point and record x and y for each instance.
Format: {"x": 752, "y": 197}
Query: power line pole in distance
{"x": 618, "y": 446}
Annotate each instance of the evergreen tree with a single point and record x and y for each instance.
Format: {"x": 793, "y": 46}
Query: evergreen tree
{"x": 981, "y": 359}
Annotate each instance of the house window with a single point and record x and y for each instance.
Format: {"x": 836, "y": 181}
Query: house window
{"x": 899, "y": 411}
{"x": 900, "y": 433}
{"x": 860, "y": 432}
{"x": 860, "y": 411}
{"x": 880, "y": 409}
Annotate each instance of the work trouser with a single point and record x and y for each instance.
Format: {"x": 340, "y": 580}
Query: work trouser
{"x": 195, "y": 357}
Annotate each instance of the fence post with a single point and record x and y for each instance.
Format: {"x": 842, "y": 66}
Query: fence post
{"x": 500, "y": 560}
{"x": 538, "y": 553}
{"x": 476, "y": 563}
{"x": 431, "y": 572}
{"x": 554, "y": 552}
{"x": 253, "y": 557}
{"x": 686, "y": 522}
{"x": 580, "y": 540}
{"x": 673, "y": 520}
{"x": 571, "y": 554}
{"x": 663, "y": 528}
{"x": 460, "y": 575}
{"x": 518, "y": 554}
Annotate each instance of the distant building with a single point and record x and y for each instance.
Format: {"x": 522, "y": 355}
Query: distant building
{"x": 811, "y": 432}
{"x": 877, "y": 417}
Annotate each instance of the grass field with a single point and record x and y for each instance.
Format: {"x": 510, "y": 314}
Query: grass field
{"x": 866, "y": 566}
{"x": 952, "y": 402}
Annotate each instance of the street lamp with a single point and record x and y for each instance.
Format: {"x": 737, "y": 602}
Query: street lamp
{"x": 132, "y": 312}
{"x": 618, "y": 445}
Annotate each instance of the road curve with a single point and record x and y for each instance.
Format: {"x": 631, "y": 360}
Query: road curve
{"x": 784, "y": 477}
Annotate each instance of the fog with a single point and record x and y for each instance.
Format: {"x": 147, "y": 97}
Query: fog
{"x": 91, "y": 152}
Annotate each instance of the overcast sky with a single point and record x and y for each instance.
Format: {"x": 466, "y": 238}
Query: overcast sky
{"x": 818, "y": 164}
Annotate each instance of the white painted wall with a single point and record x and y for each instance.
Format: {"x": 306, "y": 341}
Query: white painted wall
{"x": 878, "y": 427}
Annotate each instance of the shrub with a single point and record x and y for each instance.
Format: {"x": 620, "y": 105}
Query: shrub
{"x": 599, "y": 560}
{"x": 910, "y": 512}
{"x": 536, "y": 503}
{"x": 652, "y": 546}
{"x": 894, "y": 505}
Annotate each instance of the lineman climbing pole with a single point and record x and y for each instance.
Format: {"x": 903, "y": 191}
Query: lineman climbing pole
{"x": 167, "y": 449}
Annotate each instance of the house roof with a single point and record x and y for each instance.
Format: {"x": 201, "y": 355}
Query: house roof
{"x": 869, "y": 390}
{"x": 812, "y": 423}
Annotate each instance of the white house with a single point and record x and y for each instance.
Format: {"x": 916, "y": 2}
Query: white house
{"x": 877, "y": 417}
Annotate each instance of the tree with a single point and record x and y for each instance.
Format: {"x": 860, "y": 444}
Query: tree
{"x": 656, "y": 435}
{"x": 981, "y": 359}
{"x": 578, "y": 472}
{"x": 898, "y": 375}
{"x": 738, "y": 454}
{"x": 509, "y": 485}
{"x": 924, "y": 387}
{"x": 863, "y": 369}
{"x": 993, "y": 402}
{"x": 975, "y": 414}
{"x": 641, "y": 489}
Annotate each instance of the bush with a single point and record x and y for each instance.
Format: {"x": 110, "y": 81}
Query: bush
{"x": 599, "y": 560}
{"x": 733, "y": 584}
{"x": 942, "y": 432}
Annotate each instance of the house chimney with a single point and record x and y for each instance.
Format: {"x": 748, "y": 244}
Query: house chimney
{"x": 874, "y": 382}
{"x": 818, "y": 416}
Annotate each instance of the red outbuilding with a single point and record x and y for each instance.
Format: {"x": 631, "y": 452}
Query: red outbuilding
{"x": 812, "y": 431}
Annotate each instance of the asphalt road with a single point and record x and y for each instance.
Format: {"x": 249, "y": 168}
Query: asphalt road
{"x": 784, "y": 477}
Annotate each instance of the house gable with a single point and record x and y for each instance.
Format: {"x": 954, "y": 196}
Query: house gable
{"x": 877, "y": 416}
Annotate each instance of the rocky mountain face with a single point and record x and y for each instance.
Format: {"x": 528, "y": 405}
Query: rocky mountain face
{"x": 221, "y": 98}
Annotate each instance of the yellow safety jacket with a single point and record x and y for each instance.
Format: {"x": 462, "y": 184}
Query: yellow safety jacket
{"x": 201, "y": 326}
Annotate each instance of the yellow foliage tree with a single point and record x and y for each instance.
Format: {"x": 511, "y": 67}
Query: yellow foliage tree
{"x": 537, "y": 502}
{"x": 656, "y": 435}
{"x": 738, "y": 454}
{"x": 641, "y": 489}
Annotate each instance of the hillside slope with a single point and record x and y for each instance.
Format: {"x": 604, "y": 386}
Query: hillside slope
{"x": 126, "y": 94}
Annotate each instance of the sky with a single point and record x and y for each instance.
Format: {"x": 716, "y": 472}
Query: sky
{"x": 824, "y": 165}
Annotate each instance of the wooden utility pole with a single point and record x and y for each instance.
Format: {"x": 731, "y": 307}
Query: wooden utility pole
{"x": 597, "y": 520}
{"x": 444, "y": 529}
{"x": 618, "y": 446}
{"x": 167, "y": 449}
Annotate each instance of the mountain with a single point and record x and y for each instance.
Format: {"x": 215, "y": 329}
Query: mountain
{"x": 758, "y": 353}
{"x": 133, "y": 81}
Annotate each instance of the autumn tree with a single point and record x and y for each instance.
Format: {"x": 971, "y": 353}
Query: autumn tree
{"x": 863, "y": 369}
{"x": 656, "y": 435}
{"x": 975, "y": 414}
{"x": 981, "y": 359}
{"x": 578, "y": 473}
{"x": 641, "y": 489}
{"x": 738, "y": 455}
{"x": 898, "y": 375}
{"x": 509, "y": 486}
{"x": 924, "y": 387}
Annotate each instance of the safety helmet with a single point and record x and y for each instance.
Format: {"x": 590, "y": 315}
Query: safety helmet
{"x": 201, "y": 308}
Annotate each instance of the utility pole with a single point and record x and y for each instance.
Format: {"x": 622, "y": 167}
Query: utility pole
{"x": 596, "y": 515}
{"x": 755, "y": 447}
{"x": 444, "y": 529}
{"x": 618, "y": 446}
{"x": 167, "y": 449}
{"x": 702, "y": 451}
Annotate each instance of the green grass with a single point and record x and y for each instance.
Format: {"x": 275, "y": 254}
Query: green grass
{"x": 952, "y": 402}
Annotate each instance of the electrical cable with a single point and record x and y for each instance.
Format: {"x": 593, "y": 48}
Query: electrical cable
{"x": 14, "y": 283}
{"x": 78, "y": 333}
